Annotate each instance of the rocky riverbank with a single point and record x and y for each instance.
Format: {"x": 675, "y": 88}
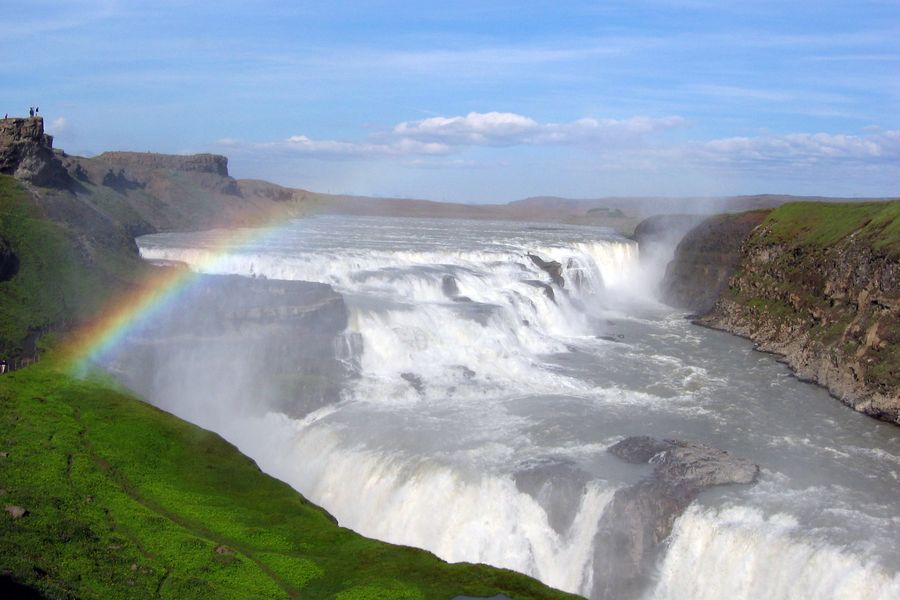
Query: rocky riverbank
{"x": 816, "y": 283}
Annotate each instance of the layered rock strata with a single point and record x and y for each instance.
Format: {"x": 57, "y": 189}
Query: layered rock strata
{"x": 832, "y": 311}
{"x": 26, "y": 152}
{"x": 705, "y": 260}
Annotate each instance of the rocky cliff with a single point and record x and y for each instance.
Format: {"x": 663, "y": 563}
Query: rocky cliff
{"x": 231, "y": 333}
{"x": 817, "y": 283}
{"x": 26, "y": 152}
{"x": 705, "y": 260}
{"x": 150, "y": 161}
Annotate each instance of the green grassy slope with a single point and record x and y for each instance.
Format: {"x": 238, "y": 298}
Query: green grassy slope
{"x": 125, "y": 500}
{"x": 820, "y": 224}
{"x": 60, "y": 280}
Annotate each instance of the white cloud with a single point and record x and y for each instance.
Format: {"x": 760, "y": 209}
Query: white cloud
{"x": 478, "y": 129}
{"x": 805, "y": 148}
{"x": 58, "y": 125}
{"x": 438, "y": 136}
{"x": 510, "y": 129}
{"x": 339, "y": 149}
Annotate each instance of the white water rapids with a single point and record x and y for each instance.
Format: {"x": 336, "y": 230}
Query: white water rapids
{"x": 484, "y": 400}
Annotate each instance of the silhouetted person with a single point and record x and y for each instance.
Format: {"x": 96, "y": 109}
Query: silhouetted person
{"x": 30, "y": 111}
{"x": 36, "y": 110}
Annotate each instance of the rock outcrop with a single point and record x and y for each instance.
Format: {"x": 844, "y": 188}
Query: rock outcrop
{"x": 818, "y": 283}
{"x": 830, "y": 306}
{"x": 125, "y": 171}
{"x": 552, "y": 268}
{"x": 705, "y": 260}
{"x": 215, "y": 164}
{"x": 26, "y": 153}
{"x": 640, "y": 517}
{"x": 230, "y": 333}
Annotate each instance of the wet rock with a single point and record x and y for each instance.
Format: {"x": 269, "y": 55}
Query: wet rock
{"x": 16, "y": 512}
{"x": 638, "y": 449}
{"x": 640, "y": 517}
{"x": 415, "y": 381}
{"x": 576, "y": 274}
{"x": 547, "y": 288}
{"x": 466, "y": 371}
{"x": 451, "y": 289}
{"x": 558, "y": 484}
{"x": 449, "y": 286}
{"x": 701, "y": 466}
{"x": 633, "y": 525}
{"x": 551, "y": 267}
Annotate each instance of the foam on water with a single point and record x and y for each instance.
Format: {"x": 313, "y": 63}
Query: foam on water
{"x": 739, "y": 553}
{"x": 477, "y": 422}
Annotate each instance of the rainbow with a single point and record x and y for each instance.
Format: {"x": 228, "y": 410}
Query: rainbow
{"x": 161, "y": 288}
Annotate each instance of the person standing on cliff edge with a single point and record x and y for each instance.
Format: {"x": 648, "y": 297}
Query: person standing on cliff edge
{"x": 31, "y": 111}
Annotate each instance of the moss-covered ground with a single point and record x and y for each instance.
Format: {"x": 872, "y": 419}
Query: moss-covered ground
{"x": 60, "y": 277}
{"x": 126, "y": 501}
{"x": 822, "y": 224}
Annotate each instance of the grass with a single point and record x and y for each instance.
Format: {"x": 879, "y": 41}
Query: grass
{"x": 823, "y": 224}
{"x": 126, "y": 501}
{"x": 59, "y": 279}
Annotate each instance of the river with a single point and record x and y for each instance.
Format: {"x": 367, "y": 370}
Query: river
{"x": 483, "y": 398}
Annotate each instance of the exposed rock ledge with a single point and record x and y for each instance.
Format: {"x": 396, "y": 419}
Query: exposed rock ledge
{"x": 817, "y": 283}
{"x": 640, "y": 517}
{"x": 200, "y": 163}
{"x": 26, "y": 152}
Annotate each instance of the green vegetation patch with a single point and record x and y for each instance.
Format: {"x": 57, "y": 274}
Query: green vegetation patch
{"x": 58, "y": 279}
{"x": 823, "y": 224}
{"x": 126, "y": 501}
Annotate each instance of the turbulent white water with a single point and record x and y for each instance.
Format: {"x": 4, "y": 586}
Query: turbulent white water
{"x": 485, "y": 399}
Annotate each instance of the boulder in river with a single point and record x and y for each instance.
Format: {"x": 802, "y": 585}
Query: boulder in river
{"x": 641, "y": 516}
{"x": 553, "y": 268}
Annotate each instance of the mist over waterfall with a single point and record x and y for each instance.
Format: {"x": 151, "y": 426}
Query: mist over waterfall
{"x": 458, "y": 385}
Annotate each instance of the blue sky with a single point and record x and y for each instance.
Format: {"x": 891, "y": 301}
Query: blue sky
{"x": 478, "y": 101}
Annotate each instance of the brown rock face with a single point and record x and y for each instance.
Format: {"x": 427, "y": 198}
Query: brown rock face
{"x": 26, "y": 152}
{"x": 706, "y": 259}
{"x": 639, "y": 518}
{"x": 148, "y": 161}
{"x": 831, "y": 308}
{"x": 833, "y": 312}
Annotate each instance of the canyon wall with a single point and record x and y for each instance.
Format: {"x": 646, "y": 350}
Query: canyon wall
{"x": 816, "y": 283}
